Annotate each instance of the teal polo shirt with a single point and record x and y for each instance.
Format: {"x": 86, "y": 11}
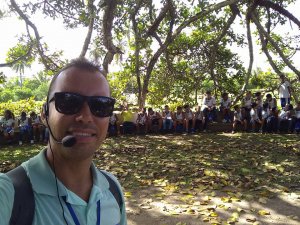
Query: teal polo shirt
{"x": 47, "y": 207}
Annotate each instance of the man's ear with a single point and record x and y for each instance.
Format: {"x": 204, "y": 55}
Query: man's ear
{"x": 43, "y": 116}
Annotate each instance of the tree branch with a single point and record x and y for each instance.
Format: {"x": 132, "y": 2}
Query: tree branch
{"x": 272, "y": 42}
{"x": 45, "y": 59}
{"x": 87, "y": 41}
{"x": 108, "y": 17}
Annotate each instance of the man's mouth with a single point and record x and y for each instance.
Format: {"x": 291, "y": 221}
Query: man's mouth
{"x": 82, "y": 134}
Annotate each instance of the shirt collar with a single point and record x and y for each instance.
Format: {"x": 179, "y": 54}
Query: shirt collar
{"x": 43, "y": 180}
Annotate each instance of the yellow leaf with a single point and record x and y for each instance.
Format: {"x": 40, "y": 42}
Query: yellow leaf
{"x": 263, "y": 212}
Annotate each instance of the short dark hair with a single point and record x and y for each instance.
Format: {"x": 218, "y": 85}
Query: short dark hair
{"x": 236, "y": 107}
{"x": 150, "y": 109}
{"x": 269, "y": 95}
{"x": 208, "y": 92}
{"x": 80, "y": 63}
{"x": 224, "y": 94}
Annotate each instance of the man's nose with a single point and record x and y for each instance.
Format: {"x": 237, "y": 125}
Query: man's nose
{"x": 84, "y": 115}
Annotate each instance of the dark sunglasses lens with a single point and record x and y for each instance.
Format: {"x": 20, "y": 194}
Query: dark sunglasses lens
{"x": 101, "y": 106}
{"x": 68, "y": 103}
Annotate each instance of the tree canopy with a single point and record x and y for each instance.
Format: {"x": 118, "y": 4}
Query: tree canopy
{"x": 168, "y": 49}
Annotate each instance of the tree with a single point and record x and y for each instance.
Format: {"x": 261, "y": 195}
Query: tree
{"x": 143, "y": 32}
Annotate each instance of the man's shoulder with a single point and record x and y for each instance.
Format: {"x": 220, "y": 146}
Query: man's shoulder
{"x": 7, "y": 193}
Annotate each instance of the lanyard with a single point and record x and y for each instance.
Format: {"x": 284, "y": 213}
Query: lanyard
{"x": 73, "y": 214}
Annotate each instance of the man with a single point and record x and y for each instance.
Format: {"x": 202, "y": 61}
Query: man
{"x": 154, "y": 118}
{"x": 167, "y": 116}
{"x": 67, "y": 187}
{"x": 284, "y": 92}
{"x": 209, "y": 109}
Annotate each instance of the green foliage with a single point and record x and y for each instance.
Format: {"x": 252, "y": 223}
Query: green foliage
{"x": 32, "y": 87}
{"x": 17, "y": 107}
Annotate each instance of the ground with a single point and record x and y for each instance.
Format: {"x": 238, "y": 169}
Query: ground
{"x": 214, "y": 178}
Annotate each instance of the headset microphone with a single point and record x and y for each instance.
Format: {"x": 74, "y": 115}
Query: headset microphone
{"x": 68, "y": 141}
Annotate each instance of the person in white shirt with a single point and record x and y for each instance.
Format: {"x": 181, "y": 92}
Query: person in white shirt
{"x": 225, "y": 104}
{"x": 178, "y": 118}
{"x": 189, "y": 119}
{"x": 272, "y": 103}
{"x": 285, "y": 118}
{"x": 142, "y": 122}
{"x": 199, "y": 119}
{"x": 7, "y": 125}
{"x": 254, "y": 121}
{"x": 238, "y": 118}
{"x": 154, "y": 118}
{"x": 296, "y": 119}
{"x": 25, "y": 126}
{"x": 284, "y": 91}
{"x": 246, "y": 104}
{"x": 38, "y": 128}
{"x": 209, "y": 109}
{"x": 167, "y": 116}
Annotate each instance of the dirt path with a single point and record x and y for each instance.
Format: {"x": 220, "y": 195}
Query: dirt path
{"x": 147, "y": 207}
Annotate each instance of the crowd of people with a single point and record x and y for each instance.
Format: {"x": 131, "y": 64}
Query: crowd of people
{"x": 23, "y": 128}
{"x": 255, "y": 114}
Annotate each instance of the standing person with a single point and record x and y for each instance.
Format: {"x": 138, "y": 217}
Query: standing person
{"x": 67, "y": 186}
{"x": 284, "y": 92}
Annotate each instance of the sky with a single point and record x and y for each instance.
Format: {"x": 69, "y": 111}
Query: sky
{"x": 70, "y": 40}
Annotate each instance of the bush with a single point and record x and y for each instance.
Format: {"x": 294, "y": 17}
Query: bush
{"x": 27, "y": 106}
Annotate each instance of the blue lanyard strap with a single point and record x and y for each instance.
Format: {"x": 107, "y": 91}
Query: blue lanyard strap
{"x": 74, "y": 217}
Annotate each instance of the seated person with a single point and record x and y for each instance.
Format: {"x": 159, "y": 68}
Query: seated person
{"x": 254, "y": 121}
{"x": 259, "y": 102}
{"x": 142, "y": 121}
{"x": 8, "y": 124}
{"x": 112, "y": 125}
{"x": 296, "y": 119}
{"x": 272, "y": 121}
{"x": 198, "y": 119}
{"x": 154, "y": 118}
{"x": 238, "y": 118}
{"x": 178, "y": 118}
{"x": 272, "y": 103}
{"x": 38, "y": 127}
{"x": 24, "y": 124}
{"x": 246, "y": 104}
{"x": 128, "y": 121}
{"x": 167, "y": 116}
{"x": 285, "y": 118}
{"x": 209, "y": 109}
{"x": 225, "y": 104}
{"x": 189, "y": 119}
{"x": 264, "y": 117}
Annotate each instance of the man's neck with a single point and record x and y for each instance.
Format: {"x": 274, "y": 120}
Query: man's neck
{"x": 76, "y": 176}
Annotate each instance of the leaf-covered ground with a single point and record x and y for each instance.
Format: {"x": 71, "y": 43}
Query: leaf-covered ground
{"x": 200, "y": 179}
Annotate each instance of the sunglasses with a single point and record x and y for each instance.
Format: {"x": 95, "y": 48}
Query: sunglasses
{"x": 71, "y": 103}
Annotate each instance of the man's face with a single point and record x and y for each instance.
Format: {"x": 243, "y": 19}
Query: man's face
{"x": 89, "y": 130}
